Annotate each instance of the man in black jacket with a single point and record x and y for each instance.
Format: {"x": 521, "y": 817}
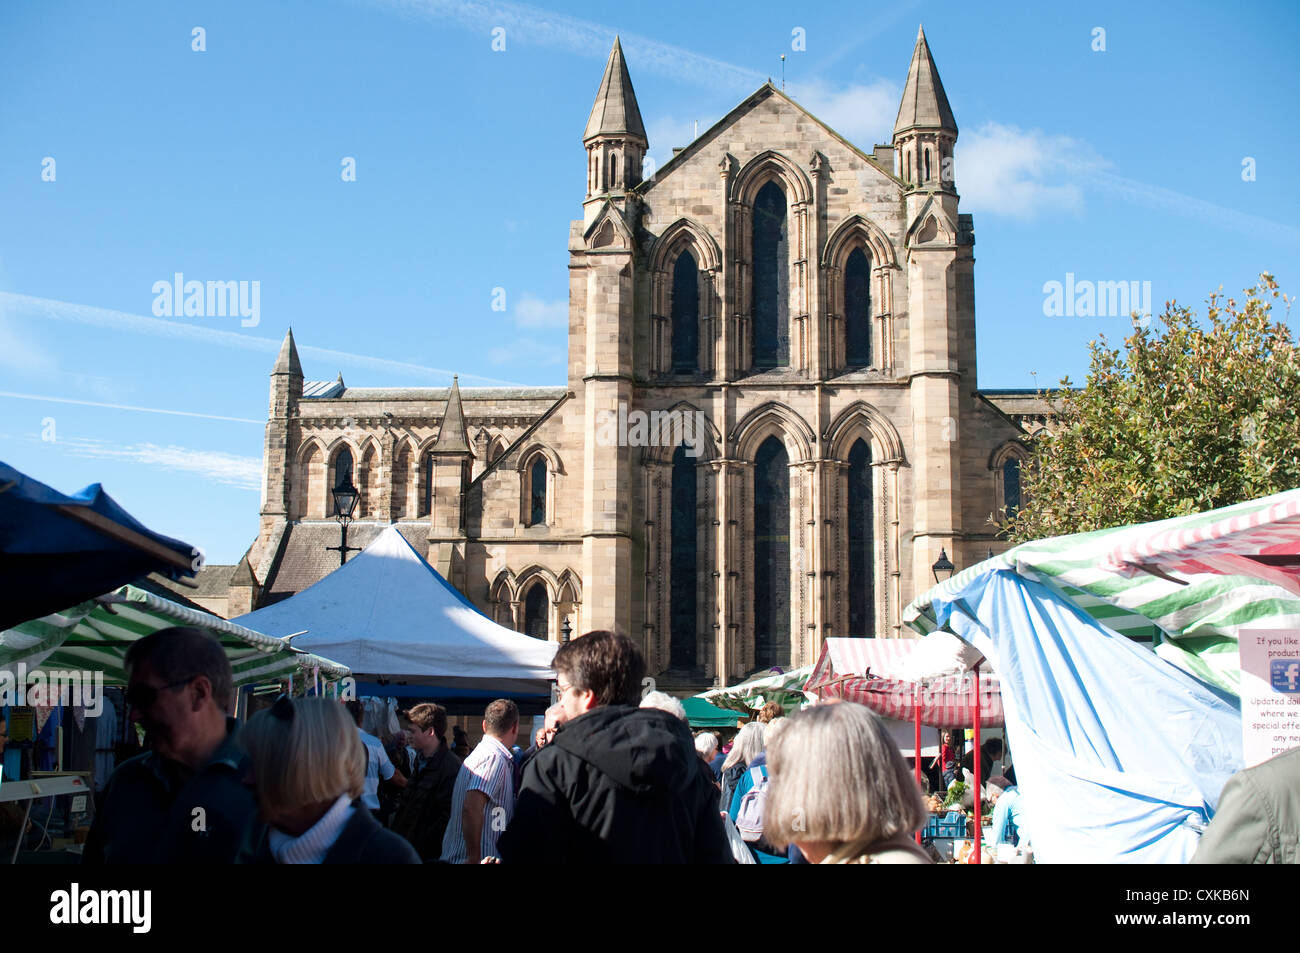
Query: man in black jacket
{"x": 618, "y": 784}
{"x": 425, "y": 808}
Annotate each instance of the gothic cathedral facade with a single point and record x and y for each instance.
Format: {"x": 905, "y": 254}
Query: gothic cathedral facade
{"x": 771, "y": 428}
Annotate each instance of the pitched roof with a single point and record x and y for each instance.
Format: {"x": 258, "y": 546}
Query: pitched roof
{"x": 615, "y": 112}
{"x": 925, "y": 104}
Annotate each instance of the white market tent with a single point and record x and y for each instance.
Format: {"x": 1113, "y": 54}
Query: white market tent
{"x": 387, "y": 614}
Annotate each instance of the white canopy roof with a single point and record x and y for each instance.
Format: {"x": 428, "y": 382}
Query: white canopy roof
{"x": 388, "y": 613}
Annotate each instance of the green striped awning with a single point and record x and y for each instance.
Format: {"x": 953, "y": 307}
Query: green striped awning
{"x": 1191, "y": 618}
{"x": 95, "y": 635}
{"x": 751, "y": 694}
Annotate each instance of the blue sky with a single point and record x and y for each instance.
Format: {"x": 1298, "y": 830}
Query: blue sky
{"x": 225, "y": 164}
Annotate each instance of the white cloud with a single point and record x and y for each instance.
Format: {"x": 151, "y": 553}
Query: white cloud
{"x": 533, "y": 312}
{"x": 18, "y": 353}
{"x": 532, "y": 26}
{"x": 528, "y": 351}
{"x": 245, "y": 473}
{"x": 863, "y": 114}
{"x": 17, "y": 304}
{"x": 1021, "y": 174}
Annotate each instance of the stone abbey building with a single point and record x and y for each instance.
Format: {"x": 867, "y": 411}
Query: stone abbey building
{"x": 807, "y": 307}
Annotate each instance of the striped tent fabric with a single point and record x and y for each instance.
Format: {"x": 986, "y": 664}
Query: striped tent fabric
{"x": 95, "y": 636}
{"x": 1192, "y": 619}
{"x": 753, "y": 693}
{"x": 1261, "y": 540}
{"x": 868, "y": 671}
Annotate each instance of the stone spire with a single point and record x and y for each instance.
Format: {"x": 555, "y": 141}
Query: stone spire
{"x": 452, "y": 438}
{"x": 615, "y": 139}
{"x": 287, "y": 362}
{"x": 925, "y": 104}
{"x": 925, "y": 132}
{"x": 615, "y": 112}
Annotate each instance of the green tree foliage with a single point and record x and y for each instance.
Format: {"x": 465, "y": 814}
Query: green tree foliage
{"x": 1206, "y": 414}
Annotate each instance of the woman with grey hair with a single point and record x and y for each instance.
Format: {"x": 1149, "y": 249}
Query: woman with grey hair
{"x": 747, "y": 746}
{"x": 309, "y": 769}
{"x": 841, "y": 791}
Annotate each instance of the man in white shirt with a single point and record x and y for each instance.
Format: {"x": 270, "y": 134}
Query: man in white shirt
{"x": 484, "y": 798}
{"x": 378, "y": 764}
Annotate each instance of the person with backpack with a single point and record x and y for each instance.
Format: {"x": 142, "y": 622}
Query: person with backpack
{"x": 750, "y": 797}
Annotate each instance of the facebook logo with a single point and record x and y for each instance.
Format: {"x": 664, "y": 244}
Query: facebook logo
{"x": 1285, "y": 674}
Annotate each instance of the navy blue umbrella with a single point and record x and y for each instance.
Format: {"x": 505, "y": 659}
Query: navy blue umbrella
{"x": 57, "y": 551}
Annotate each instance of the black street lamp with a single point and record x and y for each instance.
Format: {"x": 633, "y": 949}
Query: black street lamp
{"x": 943, "y": 565}
{"x": 345, "y": 503}
{"x": 566, "y": 631}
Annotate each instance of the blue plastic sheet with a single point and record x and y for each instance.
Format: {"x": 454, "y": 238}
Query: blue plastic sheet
{"x": 1120, "y": 756}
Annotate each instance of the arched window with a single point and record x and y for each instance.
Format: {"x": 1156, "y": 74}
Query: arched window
{"x": 857, "y": 310}
{"x": 862, "y": 577}
{"x": 426, "y": 485}
{"x": 684, "y": 582}
{"x": 535, "y": 623}
{"x": 537, "y": 492}
{"x": 927, "y": 163}
{"x": 686, "y": 314}
{"x": 771, "y": 555}
{"x": 771, "y": 279}
{"x": 342, "y": 469}
{"x": 1011, "y": 485}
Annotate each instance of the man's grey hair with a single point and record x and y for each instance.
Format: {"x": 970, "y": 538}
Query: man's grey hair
{"x": 747, "y": 746}
{"x": 664, "y": 702}
{"x": 837, "y": 777}
{"x": 706, "y": 745}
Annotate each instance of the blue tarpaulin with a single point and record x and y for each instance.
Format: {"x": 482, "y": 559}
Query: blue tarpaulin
{"x": 57, "y": 550}
{"x": 1120, "y": 756}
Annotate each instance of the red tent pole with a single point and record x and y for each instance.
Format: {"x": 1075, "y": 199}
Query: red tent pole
{"x": 979, "y": 756}
{"x": 916, "y": 707}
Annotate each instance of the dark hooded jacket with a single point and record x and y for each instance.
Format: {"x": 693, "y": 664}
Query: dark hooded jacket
{"x": 617, "y": 785}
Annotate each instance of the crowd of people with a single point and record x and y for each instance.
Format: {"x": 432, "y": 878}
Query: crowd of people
{"x": 610, "y": 777}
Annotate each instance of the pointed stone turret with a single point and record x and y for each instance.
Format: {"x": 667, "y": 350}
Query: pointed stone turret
{"x": 616, "y": 112}
{"x": 925, "y": 131}
{"x": 452, "y": 438}
{"x": 287, "y": 362}
{"x": 615, "y": 137}
{"x": 925, "y": 104}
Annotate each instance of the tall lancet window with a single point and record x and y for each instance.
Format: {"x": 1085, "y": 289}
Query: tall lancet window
{"x": 535, "y": 612}
{"x": 684, "y": 582}
{"x": 343, "y": 468}
{"x": 1011, "y": 485}
{"x": 537, "y": 492}
{"x": 771, "y": 555}
{"x": 771, "y": 279}
{"x": 686, "y": 314}
{"x": 857, "y": 310}
{"x": 862, "y": 576}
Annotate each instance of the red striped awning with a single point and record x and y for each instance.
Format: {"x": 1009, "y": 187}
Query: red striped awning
{"x": 867, "y": 671}
{"x": 1261, "y": 542}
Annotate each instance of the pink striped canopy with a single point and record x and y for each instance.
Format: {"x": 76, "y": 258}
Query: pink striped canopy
{"x": 867, "y": 671}
{"x": 1262, "y": 542}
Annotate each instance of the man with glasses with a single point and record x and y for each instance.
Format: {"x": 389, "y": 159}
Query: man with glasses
{"x": 185, "y": 800}
{"x": 617, "y": 783}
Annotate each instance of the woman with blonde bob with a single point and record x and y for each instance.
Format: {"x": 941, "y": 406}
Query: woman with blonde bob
{"x": 840, "y": 790}
{"x": 309, "y": 768}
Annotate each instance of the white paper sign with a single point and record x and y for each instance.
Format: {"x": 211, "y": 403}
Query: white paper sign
{"x": 1270, "y": 692}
